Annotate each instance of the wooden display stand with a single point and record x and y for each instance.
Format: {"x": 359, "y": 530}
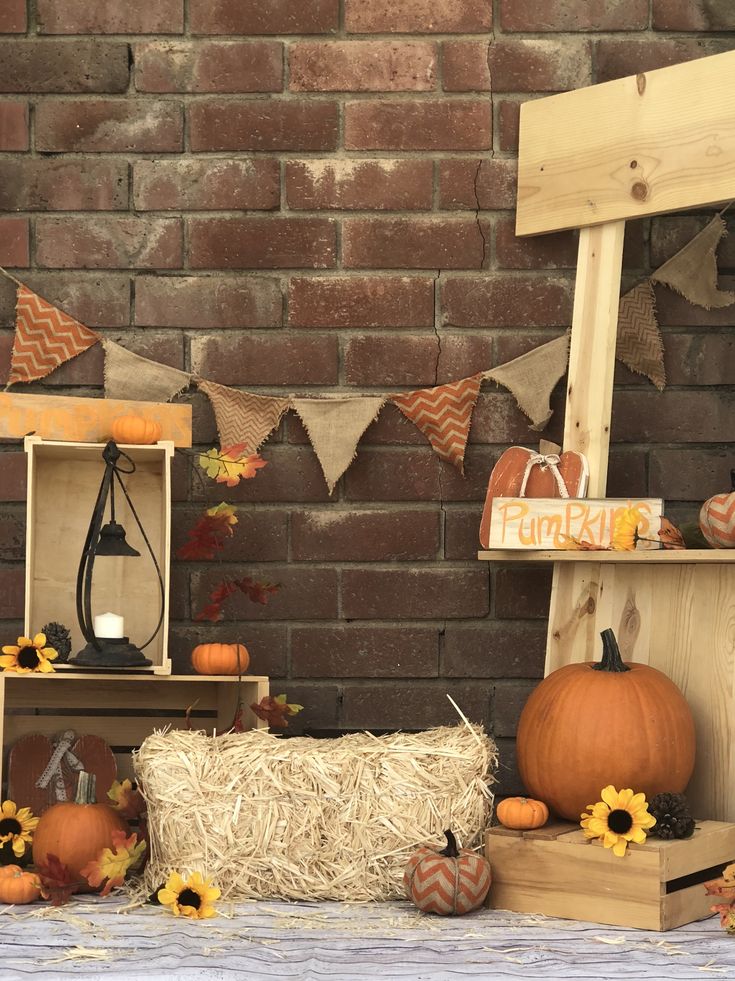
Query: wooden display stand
{"x": 590, "y": 159}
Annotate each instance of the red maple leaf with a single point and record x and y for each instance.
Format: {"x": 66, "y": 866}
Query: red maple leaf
{"x": 256, "y": 591}
{"x": 208, "y": 535}
{"x": 57, "y": 882}
{"x": 275, "y": 711}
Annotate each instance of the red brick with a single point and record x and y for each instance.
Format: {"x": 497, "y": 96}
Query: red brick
{"x": 416, "y": 593}
{"x": 416, "y": 705}
{"x": 518, "y": 301}
{"x": 13, "y": 467}
{"x": 261, "y": 243}
{"x": 362, "y": 66}
{"x": 210, "y": 184}
{"x": 415, "y": 474}
{"x": 47, "y": 65}
{"x": 508, "y": 701}
{"x": 13, "y": 17}
{"x": 472, "y": 183}
{"x": 361, "y": 301}
{"x": 263, "y": 125}
{"x": 14, "y": 242}
{"x": 618, "y": 58}
{"x": 109, "y": 125}
{"x": 417, "y": 16}
{"x": 689, "y": 474}
{"x": 669, "y": 234}
{"x": 523, "y": 593}
{"x": 461, "y": 534}
{"x": 209, "y": 66}
{"x": 649, "y": 416}
{"x": 395, "y": 185}
{"x": 693, "y": 15}
{"x": 386, "y": 360}
{"x": 356, "y": 651}
{"x": 267, "y": 644}
{"x": 293, "y": 475}
{"x": 412, "y": 243}
{"x": 260, "y": 535}
{"x": 409, "y": 125}
{"x": 12, "y": 536}
{"x": 109, "y": 243}
{"x": 12, "y": 588}
{"x": 627, "y": 473}
{"x": 14, "y": 134}
{"x": 497, "y": 418}
{"x": 364, "y": 536}
{"x": 699, "y": 359}
{"x": 494, "y": 650}
{"x": 110, "y": 17}
{"x": 674, "y": 311}
{"x": 465, "y": 66}
{"x": 592, "y": 15}
{"x": 99, "y": 300}
{"x": 321, "y": 706}
{"x": 63, "y": 185}
{"x": 275, "y": 359}
{"x": 305, "y": 594}
{"x": 207, "y": 301}
{"x": 508, "y": 125}
{"x": 539, "y": 65}
{"x": 256, "y": 17}
{"x": 555, "y": 251}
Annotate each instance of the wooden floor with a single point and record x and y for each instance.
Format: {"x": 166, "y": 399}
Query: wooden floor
{"x": 95, "y": 939}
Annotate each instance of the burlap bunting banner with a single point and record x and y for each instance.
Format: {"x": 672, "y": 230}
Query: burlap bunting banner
{"x": 243, "y": 417}
{"x": 532, "y": 378}
{"x": 334, "y": 426}
{"x": 443, "y": 414}
{"x": 130, "y": 376}
{"x": 693, "y": 270}
{"x": 45, "y": 337}
{"x": 639, "y": 343}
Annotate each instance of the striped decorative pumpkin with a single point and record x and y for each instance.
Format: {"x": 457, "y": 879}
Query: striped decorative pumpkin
{"x": 717, "y": 518}
{"x": 449, "y": 882}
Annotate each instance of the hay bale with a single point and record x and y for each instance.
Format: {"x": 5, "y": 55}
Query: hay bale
{"x": 310, "y": 818}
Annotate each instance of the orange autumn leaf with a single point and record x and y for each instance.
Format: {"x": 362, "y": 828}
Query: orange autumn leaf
{"x": 127, "y": 800}
{"x": 229, "y": 465}
{"x": 112, "y": 864}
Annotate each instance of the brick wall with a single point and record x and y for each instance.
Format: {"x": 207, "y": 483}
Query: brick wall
{"x": 317, "y": 195}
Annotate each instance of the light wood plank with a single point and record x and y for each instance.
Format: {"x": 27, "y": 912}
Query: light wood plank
{"x": 687, "y": 556}
{"x": 642, "y": 145}
{"x": 713, "y": 843}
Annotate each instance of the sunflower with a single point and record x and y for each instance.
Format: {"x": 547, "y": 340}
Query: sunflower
{"x": 29, "y": 655}
{"x": 16, "y": 827}
{"x": 625, "y": 530}
{"x": 617, "y": 819}
{"x": 193, "y": 897}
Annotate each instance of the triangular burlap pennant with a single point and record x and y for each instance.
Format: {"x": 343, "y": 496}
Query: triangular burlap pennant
{"x": 443, "y": 414}
{"x": 532, "y": 378}
{"x": 639, "y": 344}
{"x": 243, "y": 417}
{"x": 334, "y": 426}
{"x": 44, "y": 338}
{"x": 693, "y": 270}
{"x": 130, "y": 376}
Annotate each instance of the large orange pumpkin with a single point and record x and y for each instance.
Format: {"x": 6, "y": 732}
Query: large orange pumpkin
{"x": 588, "y": 725}
{"x": 450, "y": 882}
{"x": 76, "y": 831}
{"x": 220, "y": 659}
{"x": 717, "y": 518}
{"x": 136, "y": 429}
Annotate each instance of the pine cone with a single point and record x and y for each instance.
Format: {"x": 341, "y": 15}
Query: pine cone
{"x": 673, "y": 819}
{"x": 58, "y": 637}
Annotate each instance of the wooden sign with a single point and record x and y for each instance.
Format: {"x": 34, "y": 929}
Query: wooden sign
{"x": 78, "y": 420}
{"x": 550, "y": 523}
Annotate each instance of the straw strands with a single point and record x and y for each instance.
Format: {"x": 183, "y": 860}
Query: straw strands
{"x": 301, "y": 818}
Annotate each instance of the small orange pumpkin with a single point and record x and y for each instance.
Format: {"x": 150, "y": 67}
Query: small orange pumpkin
{"x": 220, "y": 659}
{"x": 18, "y": 887}
{"x": 136, "y": 429}
{"x": 522, "y": 813}
{"x": 450, "y": 882}
{"x": 717, "y": 518}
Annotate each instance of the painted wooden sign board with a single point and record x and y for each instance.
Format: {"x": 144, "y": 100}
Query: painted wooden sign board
{"x": 550, "y": 523}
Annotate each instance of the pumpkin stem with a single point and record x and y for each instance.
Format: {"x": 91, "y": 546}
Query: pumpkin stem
{"x": 86, "y": 787}
{"x": 451, "y": 851}
{"x": 611, "y": 657}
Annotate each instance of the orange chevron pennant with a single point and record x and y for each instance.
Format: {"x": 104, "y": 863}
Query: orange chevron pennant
{"x": 45, "y": 337}
{"x": 443, "y": 414}
{"x": 639, "y": 344}
{"x": 243, "y": 417}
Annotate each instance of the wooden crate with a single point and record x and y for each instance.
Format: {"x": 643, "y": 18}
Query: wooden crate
{"x": 556, "y": 871}
{"x": 121, "y": 708}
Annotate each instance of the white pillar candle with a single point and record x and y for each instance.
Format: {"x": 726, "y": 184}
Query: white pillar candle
{"x": 109, "y": 625}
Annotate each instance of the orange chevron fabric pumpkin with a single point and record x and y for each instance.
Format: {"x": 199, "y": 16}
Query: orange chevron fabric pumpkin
{"x": 449, "y": 882}
{"x": 717, "y": 518}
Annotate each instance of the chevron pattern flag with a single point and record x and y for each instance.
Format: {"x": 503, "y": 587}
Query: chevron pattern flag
{"x": 443, "y": 414}
{"x": 639, "y": 345}
{"x": 44, "y": 338}
{"x": 243, "y": 417}
{"x": 448, "y": 886}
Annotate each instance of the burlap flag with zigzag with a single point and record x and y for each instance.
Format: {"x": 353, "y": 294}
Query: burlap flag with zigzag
{"x": 243, "y": 417}
{"x": 639, "y": 345}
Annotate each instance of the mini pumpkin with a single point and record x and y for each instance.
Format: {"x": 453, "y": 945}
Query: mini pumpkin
{"x": 717, "y": 518}
{"x": 18, "y": 887}
{"x": 220, "y": 659}
{"x": 136, "y": 429}
{"x": 6, "y": 871}
{"x": 450, "y": 882}
{"x": 522, "y": 813}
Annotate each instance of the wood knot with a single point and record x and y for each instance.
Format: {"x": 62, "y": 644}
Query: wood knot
{"x": 640, "y": 81}
{"x": 639, "y": 191}
{"x": 590, "y": 605}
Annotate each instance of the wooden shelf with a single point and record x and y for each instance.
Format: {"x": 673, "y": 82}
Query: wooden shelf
{"x": 688, "y": 556}
{"x": 73, "y": 674}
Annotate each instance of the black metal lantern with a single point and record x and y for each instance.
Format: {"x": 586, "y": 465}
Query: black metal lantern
{"x": 109, "y": 540}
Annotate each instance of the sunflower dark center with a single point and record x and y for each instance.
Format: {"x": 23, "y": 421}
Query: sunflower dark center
{"x": 9, "y": 826}
{"x": 187, "y": 897}
{"x": 619, "y": 821}
{"x": 28, "y": 657}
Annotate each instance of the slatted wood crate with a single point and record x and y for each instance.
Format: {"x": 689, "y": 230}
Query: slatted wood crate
{"x": 556, "y": 871}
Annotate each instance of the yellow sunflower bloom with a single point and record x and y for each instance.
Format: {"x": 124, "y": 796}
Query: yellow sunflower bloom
{"x": 16, "y": 827}
{"x": 625, "y": 530}
{"x": 617, "y": 819}
{"x": 191, "y": 897}
{"x": 28, "y": 656}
